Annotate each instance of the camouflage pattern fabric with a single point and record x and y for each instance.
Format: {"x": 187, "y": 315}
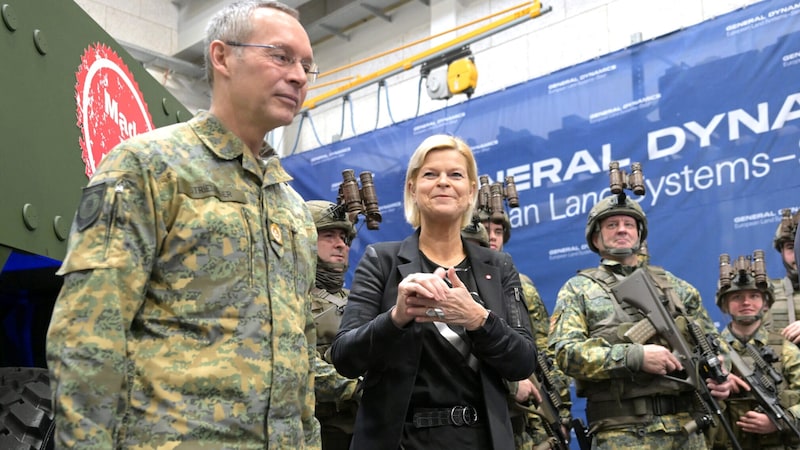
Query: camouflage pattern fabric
{"x": 789, "y": 394}
{"x": 582, "y": 308}
{"x": 638, "y": 439}
{"x": 334, "y": 393}
{"x": 185, "y": 317}
{"x": 777, "y": 317}
{"x": 540, "y": 326}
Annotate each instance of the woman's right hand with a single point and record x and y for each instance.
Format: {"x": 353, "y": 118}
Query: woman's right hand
{"x": 417, "y": 286}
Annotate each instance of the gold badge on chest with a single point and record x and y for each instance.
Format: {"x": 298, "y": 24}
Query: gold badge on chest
{"x": 275, "y": 231}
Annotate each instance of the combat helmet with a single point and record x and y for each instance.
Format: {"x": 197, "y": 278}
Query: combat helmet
{"x": 476, "y": 232}
{"x": 746, "y": 273}
{"x": 786, "y": 229}
{"x": 618, "y": 204}
{"x": 328, "y": 215}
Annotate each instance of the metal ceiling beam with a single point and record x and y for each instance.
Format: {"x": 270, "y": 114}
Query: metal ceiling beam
{"x": 335, "y": 31}
{"x": 376, "y": 12}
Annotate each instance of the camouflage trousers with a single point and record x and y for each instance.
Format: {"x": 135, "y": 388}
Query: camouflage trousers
{"x": 534, "y": 438}
{"x": 523, "y": 441}
{"x": 659, "y": 440}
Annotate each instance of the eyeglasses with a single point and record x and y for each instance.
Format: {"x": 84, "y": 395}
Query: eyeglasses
{"x": 281, "y": 57}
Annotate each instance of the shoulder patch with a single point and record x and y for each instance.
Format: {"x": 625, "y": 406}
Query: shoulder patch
{"x": 90, "y": 206}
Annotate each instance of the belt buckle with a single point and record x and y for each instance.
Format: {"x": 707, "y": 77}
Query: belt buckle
{"x": 457, "y": 415}
{"x": 463, "y": 415}
{"x": 664, "y": 405}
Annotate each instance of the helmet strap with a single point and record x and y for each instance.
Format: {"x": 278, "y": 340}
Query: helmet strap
{"x": 747, "y": 320}
{"x": 618, "y": 252}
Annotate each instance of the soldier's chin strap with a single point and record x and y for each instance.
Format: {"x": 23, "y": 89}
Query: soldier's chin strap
{"x": 747, "y": 320}
{"x": 618, "y": 252}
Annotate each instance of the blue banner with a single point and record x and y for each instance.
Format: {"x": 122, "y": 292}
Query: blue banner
{"x": 711, "y": 112}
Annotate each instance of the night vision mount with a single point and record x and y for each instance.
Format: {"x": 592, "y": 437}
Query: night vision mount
{"x": 355, "y": 200}
{"x": 742, "y": 270}
{"x": 491, "y": 197}
{"x": 619, "y": 180}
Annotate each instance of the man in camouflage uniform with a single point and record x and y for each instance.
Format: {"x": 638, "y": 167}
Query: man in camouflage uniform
{"x": 499, "y": 235}
{"x": 336, "y": 405}
{"x": 747, "y": 300}
{"x": 185, "y": 316}
{"x": 630, "y": 405}
{"x": 783, "y": 315}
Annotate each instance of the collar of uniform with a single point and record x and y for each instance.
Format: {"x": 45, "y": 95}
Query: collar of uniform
{"x": 760, "y": 337}
{"x": 227, "y": 145}
{"x": 617, "y": 267}
{"x": 274, "y": 171}
{"x": 727, "y": 335}
{"x": 216, "y": 137}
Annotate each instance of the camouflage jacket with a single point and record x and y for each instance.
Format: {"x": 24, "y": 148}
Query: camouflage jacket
{"x": 788, "y": 365}
{"x": 540, "y": 326}
{"x": 336, "y": 394}
{"x": 185, "y": 316}
{"x": 583, "y": 310}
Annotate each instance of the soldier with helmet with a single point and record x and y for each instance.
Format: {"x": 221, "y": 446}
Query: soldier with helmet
{"x": 476, "y": 232}
{"x": 335, "y": 394}
{"x": 629, "y": 401}
{"x": 784, "y": 314}
{"x": 744, "y": 293}
{"x": 532, "y": 433}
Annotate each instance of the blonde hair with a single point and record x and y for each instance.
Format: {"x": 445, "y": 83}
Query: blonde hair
{"x": 431, "y": 143}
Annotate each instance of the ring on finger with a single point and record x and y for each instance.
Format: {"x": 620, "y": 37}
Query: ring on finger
{"x": 435, "y": 312}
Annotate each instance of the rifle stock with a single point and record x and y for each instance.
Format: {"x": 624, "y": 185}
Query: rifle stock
{"x": 764, "y": 393}
{"x": 638, "y": 290}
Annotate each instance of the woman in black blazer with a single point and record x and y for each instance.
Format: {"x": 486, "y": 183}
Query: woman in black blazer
{"x": 435, "y": 324}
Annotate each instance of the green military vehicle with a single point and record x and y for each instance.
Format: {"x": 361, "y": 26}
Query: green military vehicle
{"x": 70, "y": 94}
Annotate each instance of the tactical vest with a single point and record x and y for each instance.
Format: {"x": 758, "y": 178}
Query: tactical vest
{"x": 634, "y": 399}
{"x": 739, "y": 403}
{"x": 327, "y": 310}
{"x": 777, "y": 318}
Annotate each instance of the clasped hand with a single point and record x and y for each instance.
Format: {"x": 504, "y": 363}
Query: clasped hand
{"x": 426, "y": 297}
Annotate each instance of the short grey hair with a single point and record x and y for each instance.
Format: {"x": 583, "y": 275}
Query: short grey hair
{"x": 233, "y": 23}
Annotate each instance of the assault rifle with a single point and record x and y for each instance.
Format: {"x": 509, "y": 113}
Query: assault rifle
{"x": 545, "y": 381}
{"x": 699, "y": 360}
{"x": 763, "y": 380}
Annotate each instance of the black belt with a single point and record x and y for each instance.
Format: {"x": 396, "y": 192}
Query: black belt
{"x": 436, "y": 417}
{"x": 658, "y": 405}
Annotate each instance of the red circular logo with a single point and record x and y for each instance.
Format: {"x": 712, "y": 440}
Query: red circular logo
{"x": 110, "y": 106}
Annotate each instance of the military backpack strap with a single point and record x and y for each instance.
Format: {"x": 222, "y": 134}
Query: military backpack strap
{"x": 335, "y": 299}
{"x": 788, "y": 291}
{"x": 659, "y": 276}
{"x": 775, "y": 341}
{"x": 607, "y": 280}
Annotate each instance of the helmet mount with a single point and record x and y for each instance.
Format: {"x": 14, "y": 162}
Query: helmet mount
{"x": 747, "y": 273}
